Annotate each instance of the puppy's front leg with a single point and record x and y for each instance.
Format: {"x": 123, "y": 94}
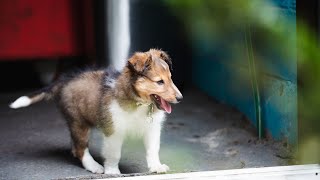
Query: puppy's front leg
{"x": 112, "y": 153}
{"x": 152, "y": 145}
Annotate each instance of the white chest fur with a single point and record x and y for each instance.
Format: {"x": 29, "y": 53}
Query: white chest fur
{"x": 134, "y": 123}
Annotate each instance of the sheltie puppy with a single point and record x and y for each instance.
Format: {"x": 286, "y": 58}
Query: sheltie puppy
{"x": 120, "y": 104}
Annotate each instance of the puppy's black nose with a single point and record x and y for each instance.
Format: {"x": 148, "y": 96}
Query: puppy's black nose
{"x": 179, "y": 98}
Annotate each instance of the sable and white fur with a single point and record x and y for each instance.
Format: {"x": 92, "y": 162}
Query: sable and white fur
{"x": 128, "y": 103}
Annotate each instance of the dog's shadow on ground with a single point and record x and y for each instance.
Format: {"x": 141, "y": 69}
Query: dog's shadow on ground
{"x": 64, "y": 155}
{"x": 127, "y": 169}
{"x": 57, "y": 154}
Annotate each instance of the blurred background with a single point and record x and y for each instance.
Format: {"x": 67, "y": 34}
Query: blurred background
{"x": 260, "y": 57}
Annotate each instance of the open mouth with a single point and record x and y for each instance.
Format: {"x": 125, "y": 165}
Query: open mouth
{"x": 161, "y": 103}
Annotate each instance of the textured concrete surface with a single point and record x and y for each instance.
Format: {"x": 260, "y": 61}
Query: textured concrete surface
{"x": 199, "y": 135}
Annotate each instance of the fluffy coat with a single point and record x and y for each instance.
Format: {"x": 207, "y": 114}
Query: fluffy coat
{"x": 131, "y": 102}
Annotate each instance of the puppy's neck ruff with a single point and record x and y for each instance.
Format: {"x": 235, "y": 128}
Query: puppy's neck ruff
{"x": 127, "y": 97}
{"x": 150, "y": 110}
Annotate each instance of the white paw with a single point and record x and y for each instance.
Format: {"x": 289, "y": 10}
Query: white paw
{"x": 161, "y": 168}
{"x": 111, "y": 170}
{"x": 94, "y": 167}
{"x": 90, "y": 164}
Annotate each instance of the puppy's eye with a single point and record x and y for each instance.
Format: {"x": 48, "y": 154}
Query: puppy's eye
{"x": 160, "y": 82}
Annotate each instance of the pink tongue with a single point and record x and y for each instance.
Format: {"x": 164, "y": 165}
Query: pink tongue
{"x": 165, "y": 105}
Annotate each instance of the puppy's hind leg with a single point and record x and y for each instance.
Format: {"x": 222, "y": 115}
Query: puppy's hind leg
{"x": 80, "y": 138}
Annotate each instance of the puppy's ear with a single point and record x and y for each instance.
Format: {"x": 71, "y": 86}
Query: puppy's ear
{"x": 140, "y": 62}
{"x": 166, "y": 58}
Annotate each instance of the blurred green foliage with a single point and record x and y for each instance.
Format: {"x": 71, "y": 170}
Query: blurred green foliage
{"x": 215, "y": 20}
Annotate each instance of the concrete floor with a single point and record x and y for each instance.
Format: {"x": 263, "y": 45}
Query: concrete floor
{"x": 199, "y": 135}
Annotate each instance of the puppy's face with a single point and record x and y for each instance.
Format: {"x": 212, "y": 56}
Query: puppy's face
{"x": 153, "y": 79}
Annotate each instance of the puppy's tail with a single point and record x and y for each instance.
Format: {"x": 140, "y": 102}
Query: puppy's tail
{"x": 46, "y": 93}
